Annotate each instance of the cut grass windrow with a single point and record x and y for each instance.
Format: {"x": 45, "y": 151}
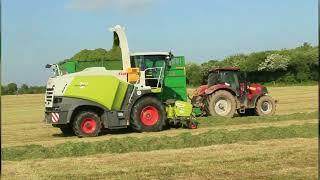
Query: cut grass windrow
{"x": 221, "y": 121}
{"x": 133, "y": 144}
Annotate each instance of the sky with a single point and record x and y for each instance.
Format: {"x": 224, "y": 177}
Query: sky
{"x": 38, "y": 32}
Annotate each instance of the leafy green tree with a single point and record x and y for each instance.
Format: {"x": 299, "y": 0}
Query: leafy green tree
{"x": 24, "y": 89}
{"x": 193, "y": 72}
{"x": 274, "y": 62}
{"x": 12, "y": 88}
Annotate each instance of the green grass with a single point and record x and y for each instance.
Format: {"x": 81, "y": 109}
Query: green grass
{"x": 281, "y": 146}
{"x": 133, "y": 144}
{"x": 221, "y": 121}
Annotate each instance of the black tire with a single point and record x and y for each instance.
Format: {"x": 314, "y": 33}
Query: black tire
{"x": 222, "y": 103}
{"x": 265, "y": 106}
{"x": 156, "y": 121}
{"x": 67, "y": 129}
{"x": 248, "y": 112}
{"x": 87, "y": 124}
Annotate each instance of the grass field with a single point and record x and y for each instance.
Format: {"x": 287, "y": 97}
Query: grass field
{"x": 282, "y": 146}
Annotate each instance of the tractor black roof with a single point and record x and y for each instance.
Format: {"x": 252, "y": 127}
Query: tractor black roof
{"x": 225, "y": 69}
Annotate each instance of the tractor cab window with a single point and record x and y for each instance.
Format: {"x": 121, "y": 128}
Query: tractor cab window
{"x": 231, "y": 78}
{"x": 214, "y": 78}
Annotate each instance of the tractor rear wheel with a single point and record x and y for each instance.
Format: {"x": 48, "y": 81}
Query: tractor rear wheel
{"x": 222, "y": 103}
{"x": 148, "y": 115}
{"x": 87, "y": 124}
{"x": 265, "y": 106}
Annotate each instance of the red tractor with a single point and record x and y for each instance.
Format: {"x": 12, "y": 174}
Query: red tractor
{"x": 227, "y": 91}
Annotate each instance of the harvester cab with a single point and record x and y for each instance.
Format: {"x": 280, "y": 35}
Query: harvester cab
{"x": 151, "y": 66}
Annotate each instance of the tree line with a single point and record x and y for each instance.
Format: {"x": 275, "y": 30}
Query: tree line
{"x": 12, "y": 89}
{"x": 287, "y": 66}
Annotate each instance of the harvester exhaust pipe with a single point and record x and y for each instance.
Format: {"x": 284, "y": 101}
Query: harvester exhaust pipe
{"x": 120, "y": 39}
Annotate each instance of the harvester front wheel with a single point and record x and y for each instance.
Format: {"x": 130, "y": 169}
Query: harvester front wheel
{"x": 265, "y": 106}
{"x": 87, "y": 124}
{"x": 222, "y": 103}
{"x": 148, "y": 115}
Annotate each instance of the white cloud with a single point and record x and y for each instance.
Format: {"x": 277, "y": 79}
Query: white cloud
{"x": 121, "y": 5}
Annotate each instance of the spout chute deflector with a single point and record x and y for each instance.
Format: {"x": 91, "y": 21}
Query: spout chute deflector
{"x": 121, "y": 38}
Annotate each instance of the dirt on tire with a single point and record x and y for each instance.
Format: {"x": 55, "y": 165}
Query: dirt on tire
{"x": 265, "y": 106}
{"x": 222, "y": 103}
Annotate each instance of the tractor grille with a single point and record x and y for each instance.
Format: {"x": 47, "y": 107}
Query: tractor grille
{"x": 49, "y": 97}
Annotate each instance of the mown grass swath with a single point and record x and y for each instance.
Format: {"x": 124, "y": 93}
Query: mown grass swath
{"x": 183, "y": 140}
{"x": 221, "y": 121}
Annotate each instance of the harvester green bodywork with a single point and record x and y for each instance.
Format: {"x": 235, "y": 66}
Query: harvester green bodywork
{"x": 71, "y": 66}
{"x": 108, "y": 91}
{"x": 174, "y": 86}
{"x": 175, "y": 80}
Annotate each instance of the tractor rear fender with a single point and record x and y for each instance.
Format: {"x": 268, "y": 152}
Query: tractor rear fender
{"x": 217, "y": 87}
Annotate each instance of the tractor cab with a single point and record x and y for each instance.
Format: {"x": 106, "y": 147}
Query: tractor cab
{"x": 227, "y": 91}
{"x": 231, "y": 77}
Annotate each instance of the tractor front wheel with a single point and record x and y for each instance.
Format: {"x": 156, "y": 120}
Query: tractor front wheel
{"x": 222, "y": 103}
{"x": 87, "y": 124}
{"x": 265, "y": 106}
{"x": 148, "y": 115}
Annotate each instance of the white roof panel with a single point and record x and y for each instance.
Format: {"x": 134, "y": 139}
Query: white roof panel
{"x": 149, "y": 53}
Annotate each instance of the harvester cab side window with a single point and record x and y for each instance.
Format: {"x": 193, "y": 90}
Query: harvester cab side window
{"x": 153, "y": 65}
{"x": 157, "y": 64}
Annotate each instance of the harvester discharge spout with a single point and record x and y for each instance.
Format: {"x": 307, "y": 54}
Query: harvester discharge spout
{"x": 120, "y": 39}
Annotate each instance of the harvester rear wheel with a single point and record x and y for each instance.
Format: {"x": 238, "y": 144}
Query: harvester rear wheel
{"x": 87, "y": 124}
{"x": 265, "y": 106}
{"x": 148, "y": 115}
{"x": 222, "y": 103}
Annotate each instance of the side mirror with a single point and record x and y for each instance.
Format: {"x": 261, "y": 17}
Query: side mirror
{"x": 170, "y": 55}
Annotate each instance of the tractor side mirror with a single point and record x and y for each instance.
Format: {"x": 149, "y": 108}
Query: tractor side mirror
{"x": 246, "y": 78}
